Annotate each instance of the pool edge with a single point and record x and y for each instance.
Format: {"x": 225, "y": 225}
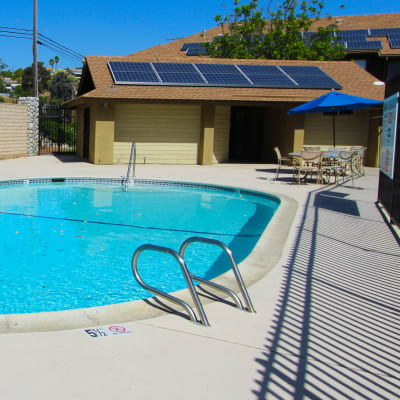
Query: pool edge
{"x": 259, "y": 262}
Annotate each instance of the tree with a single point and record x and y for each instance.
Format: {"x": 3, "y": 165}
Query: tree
{"x": 51, "y": 62}
{"x": 2, "y": 65}
{"x": 3, "y": 88}
{"x": 17, "y": 75}
{"x": 56, "y": 60}
{"x": 62, "y": 87}
{"x": 280, "y": 34}
{"x": 43, "y": 79}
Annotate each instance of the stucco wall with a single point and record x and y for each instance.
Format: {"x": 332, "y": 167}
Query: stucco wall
{"x": 221, "y": 134}
{"x": 164, "y": 133}
{"x": 351, "y": 130}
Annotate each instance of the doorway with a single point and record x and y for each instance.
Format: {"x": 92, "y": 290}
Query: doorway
{"x": 246, "y": 134}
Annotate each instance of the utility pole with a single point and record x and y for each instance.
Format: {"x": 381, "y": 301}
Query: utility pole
{"x": 34, "y": 48}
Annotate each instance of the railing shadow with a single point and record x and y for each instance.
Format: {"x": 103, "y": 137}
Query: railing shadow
{"x": 335, "y": 329}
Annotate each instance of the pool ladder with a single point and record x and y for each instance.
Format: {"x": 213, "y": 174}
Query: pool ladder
{"x": 189, "y": 277}
{"x": 132, "y": 162}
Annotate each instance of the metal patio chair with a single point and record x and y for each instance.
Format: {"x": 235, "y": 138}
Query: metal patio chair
{"x": 309, "y": 164}
{"x": 281, "y": 160}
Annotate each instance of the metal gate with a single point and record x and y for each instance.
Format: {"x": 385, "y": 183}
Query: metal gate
{"x": 57, "y": 129}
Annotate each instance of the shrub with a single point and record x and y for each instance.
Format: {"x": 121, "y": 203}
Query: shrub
{"x": 58, "y": 132}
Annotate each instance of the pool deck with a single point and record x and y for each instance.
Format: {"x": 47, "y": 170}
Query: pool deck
{"x": 327, "y": 322}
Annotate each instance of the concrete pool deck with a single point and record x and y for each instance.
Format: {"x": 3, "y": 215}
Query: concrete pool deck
{"x": 327, "y": 318}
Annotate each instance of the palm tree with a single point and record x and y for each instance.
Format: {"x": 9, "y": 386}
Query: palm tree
{"x": 56, "y": 59}
{"x": 51, "y": 62}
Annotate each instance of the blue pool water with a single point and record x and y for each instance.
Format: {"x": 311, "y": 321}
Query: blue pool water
{"x": 69, "y": 245}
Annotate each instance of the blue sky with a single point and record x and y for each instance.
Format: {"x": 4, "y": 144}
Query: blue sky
{"x": 118, "y": 28}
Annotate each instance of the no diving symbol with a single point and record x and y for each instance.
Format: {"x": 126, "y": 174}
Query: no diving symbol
{"x": 117, "y": 329}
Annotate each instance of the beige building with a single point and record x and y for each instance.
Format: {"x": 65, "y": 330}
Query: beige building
{"x": 208, "y": 124}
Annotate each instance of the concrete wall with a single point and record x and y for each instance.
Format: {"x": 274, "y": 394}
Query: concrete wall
{"x": 13, "y": 130}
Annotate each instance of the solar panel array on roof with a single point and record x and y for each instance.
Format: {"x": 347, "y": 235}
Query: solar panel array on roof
{"x": 355, "y": 39}
{"x": 231, "y": 75}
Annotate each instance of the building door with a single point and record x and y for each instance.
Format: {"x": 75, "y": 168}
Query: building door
{"x": 246, "y": 134}
{"x": 86, "y": 132}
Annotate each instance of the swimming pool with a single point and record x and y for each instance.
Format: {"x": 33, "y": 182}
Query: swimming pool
{"x": 68, "y": 243}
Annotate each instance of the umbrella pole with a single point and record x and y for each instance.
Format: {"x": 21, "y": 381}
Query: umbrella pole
{"x": 333, "y": 129}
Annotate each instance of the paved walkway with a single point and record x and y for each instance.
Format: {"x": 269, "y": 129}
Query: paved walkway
{"x": 327, "y": 322}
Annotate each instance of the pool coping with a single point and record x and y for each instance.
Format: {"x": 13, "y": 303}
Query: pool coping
{"x": 255, "y": 266}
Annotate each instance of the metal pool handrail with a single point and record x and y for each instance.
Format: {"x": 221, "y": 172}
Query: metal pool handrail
{"x": 169, "y": 297}
{"x": 132, "y": 156}
{"x": 235, "y": 269}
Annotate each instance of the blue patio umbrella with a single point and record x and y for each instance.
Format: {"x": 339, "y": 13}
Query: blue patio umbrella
{"x": 334, "y": 102}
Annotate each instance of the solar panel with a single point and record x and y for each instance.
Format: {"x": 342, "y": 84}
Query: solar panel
{"x": 311, "y": 77}
{"x": 180, "y": 77}
{"x": 385, "y": 32}
{"x": 222, "y": 74}
{"x": 260, "y": 69}
{"x": 130, "y": 66}
{"x": 364, "y": 45}
{"x": 227, "y": 79}
{"x": 395, "y": 43}
{"x": 196, "y": 51}
{"x": 132, "y": 72}
{"x": 217, "y": 69}
{"x": 136, "y": 76}
{"x": 267, "y": 76}
{"x": 191, "y": 46}
{"x": 174, "y": 67}
{"x": 355, "y": 34}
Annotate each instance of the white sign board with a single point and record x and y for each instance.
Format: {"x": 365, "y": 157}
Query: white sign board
{"x": 388, "y": 140}
{"x": 110, "y": 330}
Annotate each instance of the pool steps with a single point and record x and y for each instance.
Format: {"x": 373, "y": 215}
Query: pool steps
{"x": 189, "y": 277}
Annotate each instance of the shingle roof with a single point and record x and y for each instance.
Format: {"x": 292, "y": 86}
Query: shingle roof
{"x": 343, "y": 23}
{"x": 354, "y": 80}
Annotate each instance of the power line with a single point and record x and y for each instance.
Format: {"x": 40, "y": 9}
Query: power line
{"x": 16, "y": 29}
{"x": 60, "y": 51}
{"x": 60, "y": 45}
{"x": 21, "y": 33}
{"x": 16, "y": 37}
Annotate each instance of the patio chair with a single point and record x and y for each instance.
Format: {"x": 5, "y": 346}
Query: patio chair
{"x": 344, "y": 166}
{"x": 281, "y": 160}
{"x": 359, "y": 159}
{"x": 308, "y": 164}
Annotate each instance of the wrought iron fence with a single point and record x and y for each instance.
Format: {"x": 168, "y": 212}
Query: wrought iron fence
{"x": 57, "y": 129}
